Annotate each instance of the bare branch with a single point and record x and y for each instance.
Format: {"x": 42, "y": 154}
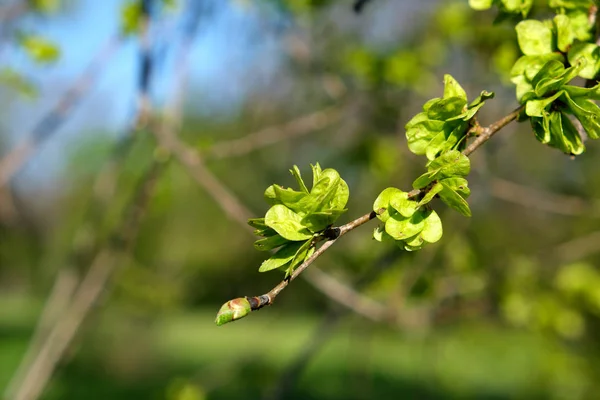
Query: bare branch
{"x": 300, "y": 126}
{"x": 103, "y": 265}
{"x": 489, "y": 131}
{"x": 59, "y": 298}
{"x": 347, "y": 296}
{"x": 543, "y": 200}
{"x": 12, "y": 162}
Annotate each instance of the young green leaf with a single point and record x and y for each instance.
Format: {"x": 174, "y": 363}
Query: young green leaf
{"x": 382, "y": 202}
{"x": 450, "y": 164}
{"x": 454, "y": 200}
{"x": 459, "y": 185}
{"x": 283, "y": 256}
{"x": 534, "y": 37}
{"x": 453, "y": 89}
{"x": 270, "y": 243}
{"x": 435, "y": 189}
{"x": 590, "y": 54}
{"x": 287, "y": 223}
{"x": 447, "y": 108}
{"x": 537, "y": 108}
{"x": 299, "y": 257}
{"x": 316, "y": 170}
{"x": 401, "y": 203}
{"x": 564, "y": 33}
{"x": 565, "y": 135}
{"x": 588, "y": 113}
{"x": 295, "y": 171}
{"x": 318, "y": 221}
{"x": 380, "y": 234}
{"x": 400, "y": 228}
{"x": 432, "y": 230}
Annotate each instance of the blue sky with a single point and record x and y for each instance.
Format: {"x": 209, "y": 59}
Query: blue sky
{"x": 221, "y": 59}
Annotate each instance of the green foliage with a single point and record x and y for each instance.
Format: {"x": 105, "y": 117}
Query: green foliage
{"x": 17, "y": 82}
{"x": 297, "y": 219}
{"x": 39, "y": 49}
{"x": 45, "y": 6}
{"x": 505, "y": 6}
{"x": 444, "y": 122}
{"x": 555, "y": 52}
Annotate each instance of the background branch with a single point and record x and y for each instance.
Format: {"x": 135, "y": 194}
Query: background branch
{"x": 16, "y": 158}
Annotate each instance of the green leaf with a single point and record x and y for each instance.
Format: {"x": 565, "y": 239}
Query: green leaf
{"x": 400, "y": 228}
{"x": 382, "y": 202}
{"x": 17, "y": 82}
{"x": 564, "y": 33}
{"x": 299, "y": 257}
{"x": 316, "y": 170}
{"x": 517, "y": 6}
{"x": 432, "y": 230}
{"x": 401, "y": 203}
{"x": 529, "y": 66}
{"x": 423, "y": 180}
{"x": 592, "y": 93}
{"x": 485, "y": 95}
{"x": 322, "y": 193}
{"x": 283, "y": 256}
{"x": 454, "y": 200}
{"x": 536, "y": 108}
{"x": 459, "y": 185}
{"x": 480, "y": 4}
{"x": 453, "y": 89}
{"x": 318, "y": 221}
{"x": 541, "y": 133}
{"x": 420, "y": 136}
{"x": 450, "y": 164}
{"x": 420, "y": 117}
{"x": 270, "y": 195}
{"x": 381, "y": 235}
{"x": 340, "y": 197}
{"x": 534, "y": 37}
{"x": 588, "y": 113}
{"x": 590, "y": 54}
{"x": 447, "y": 108}
{"x": 41, "y": 50}
{"x": 270, "y": 243}
{"x": 553, "y": 76}
{"x": 258, "y": 223}
{"x": 289, "y": 197}
{"x": 287, "y": 223}
{"x": 565, "y": 135}
{"x": 131, "y": 17}
{"x": 295, "y": 171}
{"x": 435, "y": 189}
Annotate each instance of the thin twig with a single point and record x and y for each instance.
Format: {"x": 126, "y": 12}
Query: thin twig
{"x": 347, "y": 296}
{"x": 12, "y": 162}
{"x": 543, "y": 200}
{"x": 489, "y": 131}
{"x": 297, "y": 127}
{"x": 258, "y": 302}
{"x": 59, "y": 298}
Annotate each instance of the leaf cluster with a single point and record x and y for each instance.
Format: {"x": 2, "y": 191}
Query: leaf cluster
{"x": 555, "y": 52}
{"x": 297, "y": 218}
{"x": 444, "y": 122}
{"x": 412, "y": 222}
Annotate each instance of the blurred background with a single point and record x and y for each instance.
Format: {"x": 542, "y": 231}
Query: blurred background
{"x": 116, "y": 253}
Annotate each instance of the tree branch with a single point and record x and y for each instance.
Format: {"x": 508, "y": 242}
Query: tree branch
{"x": 490, "y": 130}
{"x": 12, "y": 162}
{"x": 242, "y": 306}
{"x": 297, "y": 127}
